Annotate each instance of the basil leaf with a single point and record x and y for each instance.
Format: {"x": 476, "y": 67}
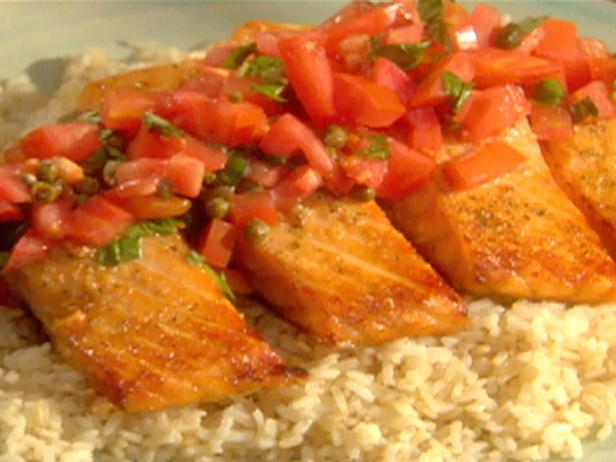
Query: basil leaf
{"x": 378, "y": 150}
{"x": 161, "y": 227}
{"x": 4, "y": 258}
{"x": 120, "y": 251}
{"x": 550, "y": 92}
{"x": 405, "y": 55}
{"x": 457, "y": 88}
{"x": 269, "y": 69}
{"x": 236, "y": 168}
{"x": 584, "y": 109}
{"x": 512, "y": 34}
{"x": 431, "y": 13}
{"x": 219, "y": 278}
{"x": 239, "y": 55}
{"x": 88, "y": 117}
{"x": 273, "y": 91}
{"x": 152, "y": 122}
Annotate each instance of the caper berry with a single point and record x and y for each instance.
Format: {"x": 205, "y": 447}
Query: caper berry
{"x": 256, "y": 231}
{"x": 217, "y": 207}
{"x": 335, "y": 137}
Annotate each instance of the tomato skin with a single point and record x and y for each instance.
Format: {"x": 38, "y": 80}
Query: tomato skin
{"x": 389, "y": 75}
{"x": 310, "y": 75}
{"x": 425, "y": 133}
{"x": 76, "y": 141}
{"x": 131, "y": 188}
{"x": 264, "y": 174}
{"x": 10, "y": 212}
{"x": 141, "y": 169}
{"x": 123, "y": 108}
{"x": 500, "y": 67}
{"x": 300, "y": 183}
{"x": 12, "y": 188}
{"x": 361, "y": 102}
{"x": 186, "y": 175}
{"x": 406, "y": 170}
{"x": 210, "y": 81}
{"x": 492, "y": 110}
{"x": 559, "y": 42}
{"x": 405, "y": 34}
{"x": 551, "y": 124}
{"x": 267, "y": 44}
{"x": 482, "y": 165}
{"x": 151, "y": 207}
{"x": 151, "y": 144}
{"x": 50, "y": 219}
{"x": 217, "y": 242}
{"x": 211, "y": 157}
{"x": 597, "y": 91}
{"x": 29, "y": 249}
{"x": 245, "y": 207}
{"x": 288, "y": 135}
{"x": 486, "y": 22}
{"x": 97, "y": 221}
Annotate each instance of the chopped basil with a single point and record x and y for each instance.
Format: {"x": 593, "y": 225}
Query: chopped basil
{"x": 583, "y": 109}
{"x": 219, "y": 278}
{"x": 512, "y": 34}
{"x": 431, "y": 12}
{"x": 271, "y": 90}
{"x": 550, "y": 92}
{"x": 239, "y": 55}
{"x": 88, "y": 117}
{"x": 130, "y": 246}
{"x": 269, "y": 69}
{"x": 458, "y": 89}
{"x": 236, "y": 168}
{"x": 405, "y": 55}
{"x": 152, "y": 122}
{"x": 113, "y": 142}
{"x": 4, "y": 258}
{"x": 378, "y": 150}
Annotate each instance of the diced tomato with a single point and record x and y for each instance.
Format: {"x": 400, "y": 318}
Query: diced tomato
{"x": 288, "y": 135}
{"x": 389, "y": 75}
{"x": 431, "y": 91}
{"x": 481, "y": 165}
{"x": 186, "y": 175}
{"x": 356, "y": 56}
{"x": 217, "y": 55}
{"x": 302, "y": 182}
{"x": 361, "y": 102}
{"x": 14, "y": 155}
{"x": 210, "y": 81}
{"x": 130, "y": 188}
{"x": 500, "y": 67}
{"x": 560, "y": 41}
{"x": 29, "y": 249}
{"x": 593, "y": 48}
{"x": 267, "y": 43}
{"x": 123, "y": 108}
{"x": 405, "y": 34}
{"x": 12, "y": 188}
{"x": 245, "y": 207}
{"x": 598, "y": 93}
{"x": 425, "y": 132}
{"x": 338, "y": 183}
{"x": 265, "y": 174}
{"x": 551, "y": 123}
{"x": 238, "y": 281}
{"x": 406, "y": 169}
{"x": 364, "y": 171}
{"x": 603, "y": 69}
{"x": 150, "y": 143}
{"x": 140, "y": 169}
{"x": 244, "y": 86}
{"x": 310, "y": 74}
{"x": 153, "y": 207}
{"x": 577, "y": 72}
{"x": 97, "y": 221}
{"x": 76, "y": 141}
{"x": 50, "y": 219}
{"x": 9, "y": 212}
{"x": 493, "y": 110}
{"x": 217, "y": 243}
{"x": 68, "y": 171}
{"x": 212, "y": 157}
{"x": 219, "y": 121}
{"x": 531, "y": 41}
{"x": 486, "y": 22}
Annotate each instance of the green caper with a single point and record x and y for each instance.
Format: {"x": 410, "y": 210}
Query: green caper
{"x": 364, "y": 193}
{"x": 223, "y": 191}
{"x": 209, "y": 178}
{"x": 46, "y": 192}
{"x": 48, "y": 171}
{"x": 29, "y": 179}
{"x": 217, "y": 207}
{"x": 335, "y": 137}
{"x": 164, "y": 188}
{"x": 109, "y": 172}
{"x": 88, "y": 186}
{"x": 256, "y": 231}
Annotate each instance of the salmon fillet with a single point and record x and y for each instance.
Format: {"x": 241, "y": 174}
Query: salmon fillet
{"x": 341, "y": 271}
{"x": 517, "y": 236}
{"x": 150, "y": 333}
{"x": 585, "y": 167}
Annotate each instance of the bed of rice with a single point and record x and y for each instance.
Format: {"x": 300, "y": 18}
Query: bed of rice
{"x": 524, "y": 382}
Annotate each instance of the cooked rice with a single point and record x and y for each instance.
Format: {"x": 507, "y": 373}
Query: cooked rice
{"x": 523, "y": 383}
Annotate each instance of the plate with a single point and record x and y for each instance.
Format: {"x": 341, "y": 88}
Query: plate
{"x": 33, "y": 33}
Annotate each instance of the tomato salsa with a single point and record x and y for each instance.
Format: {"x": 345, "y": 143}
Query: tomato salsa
{"x": 359, "y": 105}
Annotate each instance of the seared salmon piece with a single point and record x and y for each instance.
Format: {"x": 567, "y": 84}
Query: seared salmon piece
{"x": 149, "y": 333}
{"x": 517, "y": 236}
{"x": 585, "y": 167}
{"x": 340, "y": 270}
